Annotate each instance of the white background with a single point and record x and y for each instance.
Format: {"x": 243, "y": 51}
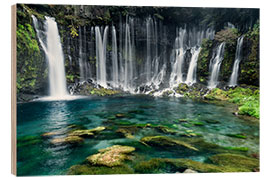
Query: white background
{"x": 5, "y": 82}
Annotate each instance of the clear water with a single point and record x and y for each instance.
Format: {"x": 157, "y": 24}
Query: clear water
{"x": 41, "y": 158}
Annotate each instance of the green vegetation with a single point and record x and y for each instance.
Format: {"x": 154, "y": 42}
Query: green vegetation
{"x": 31, "y": 67}
{"x": 93, "y": 170}
{"x": 246, "y": 98}
{"x": 250, "y": 70}
{"x": 203, "y": 59}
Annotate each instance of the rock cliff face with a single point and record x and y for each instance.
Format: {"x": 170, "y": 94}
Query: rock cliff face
{"x": 77, "y": 31}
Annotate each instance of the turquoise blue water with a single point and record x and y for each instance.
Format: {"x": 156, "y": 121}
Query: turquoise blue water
{"x": 37, "y": 156}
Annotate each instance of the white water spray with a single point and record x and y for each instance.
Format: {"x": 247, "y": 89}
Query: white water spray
{"x": 215, "y": 66}
{"x": 238, "y": 57}
{"x": 54, "y": 53}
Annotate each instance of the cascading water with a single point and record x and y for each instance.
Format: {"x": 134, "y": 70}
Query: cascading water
{"x": 84, "y": 66}
{"x": 128, "y": 58}
{"x": 215, "y": 66}
{"x": 238, "y": 57}
{"x": 191, "y": 76}
{"x": 101, "y": 46}
{"x": 195, "y": 41}
{"x": 180, "y": 51}
{"x": 54, "y": 54}
{"x": 115, "y": 77}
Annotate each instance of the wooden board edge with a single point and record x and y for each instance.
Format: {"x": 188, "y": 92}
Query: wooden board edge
{"x": 13, "y": 91}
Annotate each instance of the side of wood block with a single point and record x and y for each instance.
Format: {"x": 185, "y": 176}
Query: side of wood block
{"x": 13, "y": 92}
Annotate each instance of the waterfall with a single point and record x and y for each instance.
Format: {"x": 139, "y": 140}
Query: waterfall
{"x": 195, "y": 41}
{"x": 234, "y": 76}
{"x": 215, "y": 65}
{"x": 81, "y": 56}
{"x": 179, "y": 54}
{"x": 191, "y": 76}
{"x": 101, "y": 46}
{"x": 128, "y": 58}
{"x": 54, "y": 54}
{"x": 115, "y": 77}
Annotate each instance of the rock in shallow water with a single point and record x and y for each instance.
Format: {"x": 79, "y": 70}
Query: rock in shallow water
{"x": 190, "y": 171}
{"x": 67, "y": 140}
{"x": 164, "y": 141}
{"x": 111, "y": 156}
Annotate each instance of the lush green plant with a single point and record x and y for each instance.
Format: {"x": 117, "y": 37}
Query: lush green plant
{"x": 73, "y": 30}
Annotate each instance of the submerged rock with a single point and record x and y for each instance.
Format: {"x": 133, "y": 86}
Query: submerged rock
{"x": 128, "y": 132}
{"x": 87, "y": 132}
{"x": 164, "y": 165}
{"x": 67, "y": 140}
{"x": 111, "y": 156}
{"x": 92, "y": 170}
{"x": 236, "y": 161}
{"x": 51, "y": 134}
{"x": 164, "y": 141}
{"x": 190, "y": 171}
{"x": 82, "y": 133}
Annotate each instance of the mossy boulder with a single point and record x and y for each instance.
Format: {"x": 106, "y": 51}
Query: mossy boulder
{"x": 82, "y": 133}
{"x": 52, "y": 134}
{"x": 164, "y": 141}
{"x": 67, "y": 140}
{"x": 111, "y": 156}
{"x": 155, "y": 165}
{"x": 87, "y": 132}
{"x": 217, "y": 94}
{"x": 235, "y": 161}
{"x": 164, "y": 165}
{"x": 128, "y": 131}
{"x": 94, "y": 170}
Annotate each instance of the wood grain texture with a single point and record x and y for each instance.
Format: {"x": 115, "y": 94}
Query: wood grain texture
{"x": 13, "y": 92}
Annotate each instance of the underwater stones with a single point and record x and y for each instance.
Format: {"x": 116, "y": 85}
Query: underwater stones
{"x": 67, "y": 140}
{"x": 183, "y": 120}
{"x": 235, "y": 160}
{"x": 87, "y": 132}
{"x": 164, "y": 141}
{"x": 120, "y": 115}
{"x": 240, "y": 136}
{"x": 82, "y": 133}
{"x": 166, "y": 130}
{"x": 97, "y": 129}
{"x": 164, "y": 165}
{"x": 111, "y": 156}
{"x": 190, "y": 133}
{"x": 128, "y": 132}
{"x": 51, "y": 134}
{"x": 212, "y": 121}
{"x": 137, "y": 111}
{"x": 94, "y": 170}
{"x": 190, "y": 171}
{"x": 155, "y": 165}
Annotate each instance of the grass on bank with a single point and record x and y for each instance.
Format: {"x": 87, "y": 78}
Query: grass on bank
{"x": 247, "y": 99}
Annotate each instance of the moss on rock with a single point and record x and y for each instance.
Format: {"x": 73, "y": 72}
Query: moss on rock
{"x": 235, "y": 161}
{"x": 67, "y": 140}
{"x": 94, "y": 170}
{"x": 164, "y": 141}
{"x": 111, "y": 156}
